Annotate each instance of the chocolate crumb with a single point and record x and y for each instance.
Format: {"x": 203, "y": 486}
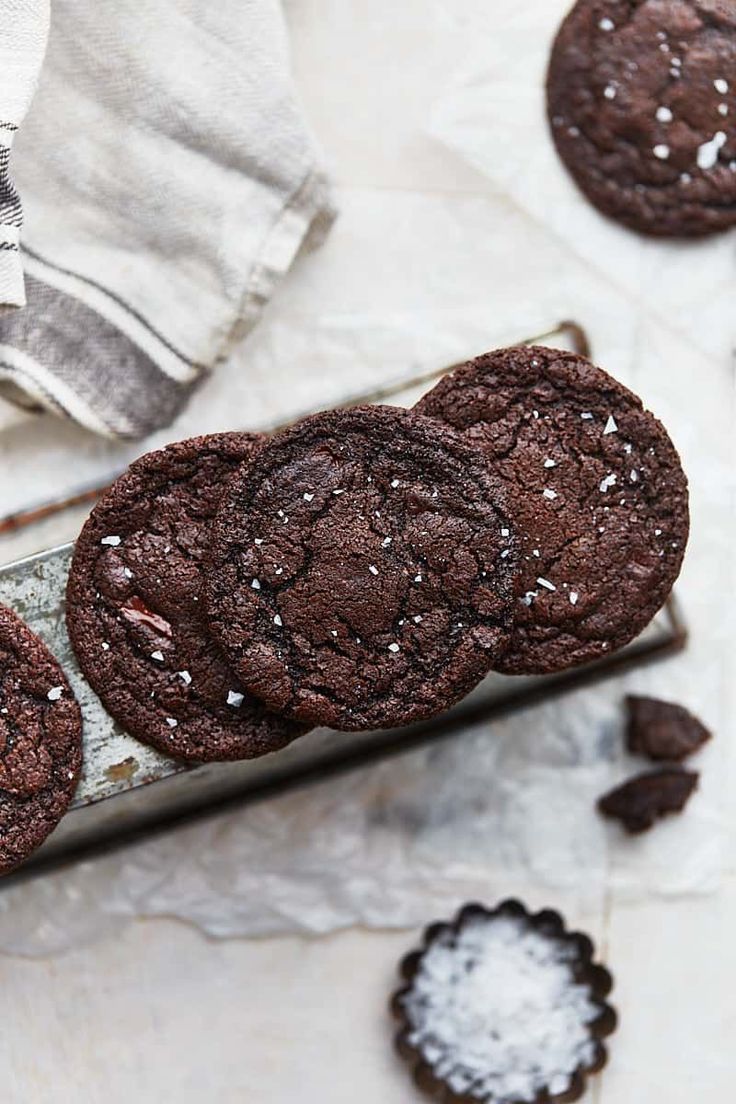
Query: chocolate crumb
{"x": 662, "y": 730}
{"x": 645, "y": 798}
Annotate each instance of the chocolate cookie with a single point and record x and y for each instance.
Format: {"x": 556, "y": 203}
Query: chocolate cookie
{"x": 641, "y": 100}
{"x": 363, "y": 570}
{"x": 595, "y": 486}
{"x": 135, "y": 608}
{"x": 40, "y": 742}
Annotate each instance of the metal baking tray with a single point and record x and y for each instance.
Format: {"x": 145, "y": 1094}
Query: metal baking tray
{"x": 128, "y": 789}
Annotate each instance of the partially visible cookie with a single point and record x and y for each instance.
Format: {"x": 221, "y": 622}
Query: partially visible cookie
{"x": 363, "y": 570}
{"x": 597, "y": 491}
{"x": 135, "y": 608}
{"x": 642, "y": 105}
{"x": 40, "y": 742}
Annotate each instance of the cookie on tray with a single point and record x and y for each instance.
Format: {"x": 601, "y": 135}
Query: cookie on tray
{"x": 40, "y": 741}
{"x": 595, "y": 486}
{"x": 135, "y": 608}
{"x": 363, "y": 570}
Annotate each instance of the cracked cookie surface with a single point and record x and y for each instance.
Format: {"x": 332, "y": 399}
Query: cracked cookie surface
{"x": 596, "y": 488}
{"x": 363, "y": 570}
{"x": 40, "y": 741}
{"x": 135, "y": 608}
{"x": 641, "y": 98}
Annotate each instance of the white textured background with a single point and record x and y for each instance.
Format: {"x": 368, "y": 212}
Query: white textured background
{"x": 439, "y": 252}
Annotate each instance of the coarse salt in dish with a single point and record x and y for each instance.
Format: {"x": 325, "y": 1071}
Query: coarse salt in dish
{"x": 503, "y": 1007}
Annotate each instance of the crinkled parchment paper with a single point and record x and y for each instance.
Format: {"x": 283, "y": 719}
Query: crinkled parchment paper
{"x": 502, "y": 809}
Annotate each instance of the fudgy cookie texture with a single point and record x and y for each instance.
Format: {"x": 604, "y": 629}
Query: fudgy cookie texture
{"x": 135, "y": 608}
{"x": 644, "y": 799}
{"x": 595, "y": 487}
{"x": 363, "y": 569}
{"x": 641, "y": 100}
{"x": 40, "y": 742}
{"x": 662, "y": 730}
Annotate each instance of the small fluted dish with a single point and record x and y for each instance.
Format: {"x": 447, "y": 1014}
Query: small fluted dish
{"x": 590, "y": 983}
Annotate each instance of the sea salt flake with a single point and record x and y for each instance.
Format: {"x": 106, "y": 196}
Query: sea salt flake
{"x": 307, "y": 497}
{"x": 586, "y": 416}
{"x": 548, "y": 493}
{"x": 373, "y": 569}
{"x": 277, "y": 621}
{"x": 417, "y": 578}
{"x": 127, "y": 573}
{"x": 505, "y": 532}
{"x": 185, "y": 677}
{"x": 573, "y": 596}
{"x": 393, "y": 647}
{"x": 610, "y": 92}
{"x": 258, "y": 540}
{"x": 550, "y": 464}
{"x": 339, "y": 491}
{"x": 658, "y": 532}
{"x": 610, "y": 426}
{"x": 529, "y": 597}
{"x": 606, "y": 24}
{"x": 546, "y": 584}
{"x": 255, "y": 584}
{"x": 721, "y": 85}
{"x": 105, "y": 646}
{"x": 112, "y": 541}
{"x": 55, "y": 693}
{"x": 235, "y": 699}
{"x": 158, "y": 656}
{"x": 172, "y": 722}
{"x": 385, "y": 542}
{"x": 606, "y": 482}
{"x": 394, "y": 483}
{"x": 634, "y": 475}
{"x": 417, "y": 618}
{"x": 506, "y": 552}
{"x": 708, "y": 152}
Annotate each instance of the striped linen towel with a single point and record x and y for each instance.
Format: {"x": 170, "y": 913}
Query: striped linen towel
{"x": 24, "y": 27}
{"x": 168, "y": 180}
